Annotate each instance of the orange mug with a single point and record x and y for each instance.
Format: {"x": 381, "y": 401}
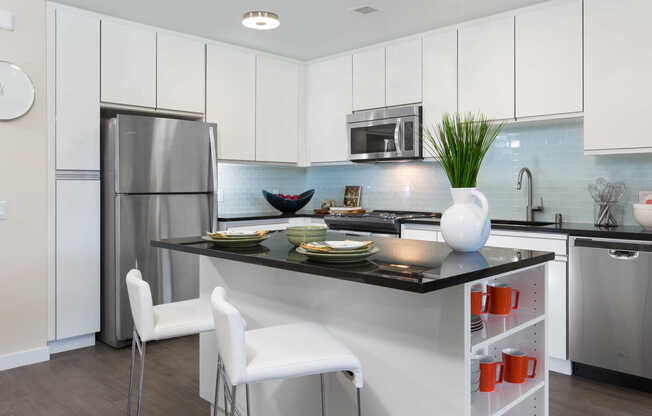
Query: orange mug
{"x": 516, "y": 365}
{"x": 488, "y": 378}
{"x": 501, "y": 298}
{"x": 476, "y": 301}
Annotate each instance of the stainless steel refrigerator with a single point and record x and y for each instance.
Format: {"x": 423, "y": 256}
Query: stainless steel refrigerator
{"x": 159, "y": 180}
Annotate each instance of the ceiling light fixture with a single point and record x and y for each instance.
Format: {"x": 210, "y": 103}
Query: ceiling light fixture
{"x": 261, "y": 20}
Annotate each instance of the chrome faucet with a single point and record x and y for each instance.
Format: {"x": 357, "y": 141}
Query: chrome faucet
{"x": 529, "y": 210}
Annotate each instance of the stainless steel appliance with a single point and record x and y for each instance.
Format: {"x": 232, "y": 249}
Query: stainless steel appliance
{"x": 610, "y": 302}
{"x": 386, "y": 223}
{"x": 159, "y": 179}
{"x": 392, "y": 133}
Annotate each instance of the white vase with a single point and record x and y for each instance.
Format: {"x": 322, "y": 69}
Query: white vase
{"x": 465, "y": 225}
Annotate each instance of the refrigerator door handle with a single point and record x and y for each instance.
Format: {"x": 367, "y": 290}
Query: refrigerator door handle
{"x": 213, "y": 144}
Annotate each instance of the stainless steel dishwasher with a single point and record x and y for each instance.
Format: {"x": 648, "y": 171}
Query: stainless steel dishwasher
{"x": 610, "y": 309}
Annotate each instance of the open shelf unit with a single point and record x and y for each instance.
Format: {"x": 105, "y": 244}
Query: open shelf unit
{"x": 525, "y": 329}
{"x": 498, "y": 327}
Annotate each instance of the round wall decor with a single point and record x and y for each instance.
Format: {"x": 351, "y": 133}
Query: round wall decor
{"x": 16, "y": 91}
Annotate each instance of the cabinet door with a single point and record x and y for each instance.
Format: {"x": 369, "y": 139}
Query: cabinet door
{"x": 328, "y": 101}
{"x": 439, "y": 78}
{"x": 403, "y": 66}
{"x": 419, "y": 234}
{"x": 230, "y": 97}
{"x": 277, "y": 110}
{"x": 549, "y": 59}
{"x": 180, "y": 74}
{"x": 557, "y": 308}
{"x": 78, "y": 258}
{"x": 369, "y": 79}
{"x": 486, "y": 64}
{"x": 618, "y": 64}
{"x": 77, "y": 91}
{"x": 128, "y": 64}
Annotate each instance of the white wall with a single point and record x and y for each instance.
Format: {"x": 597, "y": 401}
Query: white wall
{"x": 23, "y": 183}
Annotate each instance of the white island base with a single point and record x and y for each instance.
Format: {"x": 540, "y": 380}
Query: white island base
{"x": 415, "y": 348}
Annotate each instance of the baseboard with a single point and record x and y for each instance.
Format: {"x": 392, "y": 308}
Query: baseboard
{"x": 73, "y": 343}
{"x": 21, "y": 358}
{"x": 560, "y": 366}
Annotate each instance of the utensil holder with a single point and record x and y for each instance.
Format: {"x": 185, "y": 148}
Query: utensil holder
{"x": 608, "y": 214}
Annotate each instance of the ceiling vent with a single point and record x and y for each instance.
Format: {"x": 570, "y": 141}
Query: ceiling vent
{"x": 364, "y": 10}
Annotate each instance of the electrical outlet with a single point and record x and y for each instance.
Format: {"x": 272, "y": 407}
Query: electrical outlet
{"x": 3, "y": 210}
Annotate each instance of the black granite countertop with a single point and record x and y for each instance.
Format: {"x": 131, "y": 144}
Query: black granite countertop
{"x": 624, "y": 232}
{"x": 440, "y": 266}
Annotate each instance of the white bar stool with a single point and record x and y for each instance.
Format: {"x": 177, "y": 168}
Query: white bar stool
{"x": 152, "y": 323}
{"x": 278, "y": 352}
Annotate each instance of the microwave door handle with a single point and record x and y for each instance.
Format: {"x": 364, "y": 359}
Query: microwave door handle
{"x": 397, "y": 136}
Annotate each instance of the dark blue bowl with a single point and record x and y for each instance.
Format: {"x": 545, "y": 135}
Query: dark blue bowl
{"x": 288, "y": 206}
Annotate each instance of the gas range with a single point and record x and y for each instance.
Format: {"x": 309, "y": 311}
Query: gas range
{"x": 374, "y": 222}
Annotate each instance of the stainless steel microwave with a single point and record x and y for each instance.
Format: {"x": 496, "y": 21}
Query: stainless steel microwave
{"x": 392, "y": 133}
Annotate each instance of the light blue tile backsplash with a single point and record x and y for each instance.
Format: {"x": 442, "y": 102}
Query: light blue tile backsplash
{"x": 553, "y": 151}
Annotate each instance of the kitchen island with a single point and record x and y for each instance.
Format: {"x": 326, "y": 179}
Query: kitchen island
{"x": 405, "y": 313}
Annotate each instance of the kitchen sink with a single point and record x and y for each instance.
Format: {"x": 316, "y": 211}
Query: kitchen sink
{"x": 522, "y": 223}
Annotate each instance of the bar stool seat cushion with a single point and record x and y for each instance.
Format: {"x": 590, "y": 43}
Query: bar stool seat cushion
{"x": 295, "y": 350}
{"x": 183, "y": 318}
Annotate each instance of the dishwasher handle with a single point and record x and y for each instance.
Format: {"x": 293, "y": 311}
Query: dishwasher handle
{"x": 616, "y": 246}
{"x": 623, "y": 254}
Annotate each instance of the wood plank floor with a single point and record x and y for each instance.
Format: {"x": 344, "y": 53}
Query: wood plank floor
{"x": 94, "y": 381}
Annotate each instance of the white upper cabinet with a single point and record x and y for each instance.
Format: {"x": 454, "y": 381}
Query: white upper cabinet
{"x": 230, "y": 100}
{"x": 369, "y": 79}
{"x": 439, "y": 77}
{"x": 77, "y": 91}
{"x": 328, "y": 101}
{"x": 277, "y": 110}
{"x": 618, "y": 64}
{"x": 180, "y": 73}
{"x": 128, "y": 64}
{"x": 403, "y": 66}
{"x": 486, "y": 67}
{"x": 549, "y": 59}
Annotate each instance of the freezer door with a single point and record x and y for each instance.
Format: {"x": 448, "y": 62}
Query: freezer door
{"x": 611, "y": 306}
{"x": 172, "y": 276}
{"x": 159, "y": 155}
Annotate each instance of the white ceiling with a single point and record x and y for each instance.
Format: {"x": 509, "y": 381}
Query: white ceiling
{"x": 309, "y": 28}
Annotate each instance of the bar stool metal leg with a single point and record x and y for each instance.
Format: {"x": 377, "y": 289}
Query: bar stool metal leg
{"x": 233, "y": 392}
{"x": 359, "y": 403}
{"x": 131, "y": 372}
{"x": 143, "y": 346}
{"x": 216, "y": 400}
{"x": 247, "y": 391}
{"x": 323, "y": 396}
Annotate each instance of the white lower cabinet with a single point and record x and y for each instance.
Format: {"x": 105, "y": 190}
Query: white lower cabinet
{"x": 557, "y": 271}
{"x": 557, "y": 274}
{"x": 77, "y": 293}
{"x": 270, "y": 225}
{"x": 420, "y": 234}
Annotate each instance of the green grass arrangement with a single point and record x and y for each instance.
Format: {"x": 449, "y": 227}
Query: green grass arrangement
{"x": 460, "y": 144}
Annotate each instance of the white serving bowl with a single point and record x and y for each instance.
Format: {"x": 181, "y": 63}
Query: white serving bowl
{"x": 643, "y": 215}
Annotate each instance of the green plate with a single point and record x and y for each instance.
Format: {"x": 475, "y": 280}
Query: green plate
{"x": 238, "y": 242}
{"x": 337, "y": 257}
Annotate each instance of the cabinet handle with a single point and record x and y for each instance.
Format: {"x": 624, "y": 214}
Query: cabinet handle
{"x": 623, "y": 254}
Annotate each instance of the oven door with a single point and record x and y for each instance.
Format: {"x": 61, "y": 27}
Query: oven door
{"x": 392, "y": 138}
